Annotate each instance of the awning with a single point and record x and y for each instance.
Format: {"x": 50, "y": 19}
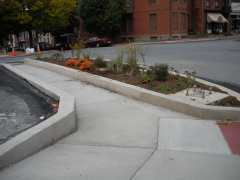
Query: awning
{"x": 216, "y": 18}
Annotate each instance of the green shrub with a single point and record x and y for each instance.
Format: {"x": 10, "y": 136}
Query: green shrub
{"x": 147, "y": 76}
{"x": 160, "y": 72}
{"x": 164, "y": 89}
{"x": 100, "y": 63}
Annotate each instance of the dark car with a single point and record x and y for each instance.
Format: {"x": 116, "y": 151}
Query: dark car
{"x": 64, "y": 41}
{"x": 62, "y": 45}
{"x": 98, "y": 42}
{"x": 44, "y": 46}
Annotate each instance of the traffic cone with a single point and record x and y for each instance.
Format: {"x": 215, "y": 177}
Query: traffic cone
{"x": 13, "y": 53}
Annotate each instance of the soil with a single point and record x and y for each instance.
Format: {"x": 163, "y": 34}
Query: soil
{"x": 229, "y": 101}
{"x": 172, "y": 85}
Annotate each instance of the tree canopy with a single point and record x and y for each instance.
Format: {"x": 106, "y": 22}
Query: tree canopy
{"x": 39, "y": 15}
{"x": 102, "y": 17}
{"x": 8, "y": 16}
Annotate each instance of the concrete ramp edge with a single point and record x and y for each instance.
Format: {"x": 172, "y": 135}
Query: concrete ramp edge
{"x": 44, "y": 134}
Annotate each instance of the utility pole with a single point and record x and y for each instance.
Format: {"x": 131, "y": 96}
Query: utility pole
{"x": 227, "y": 11}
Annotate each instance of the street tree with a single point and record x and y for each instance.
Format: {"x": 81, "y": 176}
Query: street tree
{"x": 39, "y": 15}
{"x": 9, "y": 10}
{"x": 102, "y": 17}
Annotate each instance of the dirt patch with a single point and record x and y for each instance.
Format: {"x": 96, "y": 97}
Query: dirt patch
{"x": 172, "y": 85}
{"x": 229, "y": 101}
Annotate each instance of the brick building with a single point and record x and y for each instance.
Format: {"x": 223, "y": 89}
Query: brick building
{"x": 163, "y": 18}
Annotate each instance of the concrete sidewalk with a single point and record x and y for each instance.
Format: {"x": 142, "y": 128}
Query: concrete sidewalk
{"x": 120, "y": 138}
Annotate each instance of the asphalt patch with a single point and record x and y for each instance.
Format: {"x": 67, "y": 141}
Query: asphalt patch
{"x": 22, "y": 106}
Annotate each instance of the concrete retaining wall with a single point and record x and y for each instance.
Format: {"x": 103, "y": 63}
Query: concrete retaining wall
{"x": 44, "y": 134}
{"x": 201, "y": 111}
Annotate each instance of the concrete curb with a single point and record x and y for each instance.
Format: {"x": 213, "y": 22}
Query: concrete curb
{"x": 229, "y": 91}
{"x": 201, "y": 111}
{"x": 44, "y": 134}
{"x": 188, "y": 40}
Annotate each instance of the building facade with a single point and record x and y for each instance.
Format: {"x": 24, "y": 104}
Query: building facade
{"x": 157, "y": 19}
{"x": 235, "y": 16}
{"x": 216, "y": 16}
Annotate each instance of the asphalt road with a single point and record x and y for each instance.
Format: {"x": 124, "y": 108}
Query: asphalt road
{"x": 214, "y": 60}
{"x": 11, "y": 59}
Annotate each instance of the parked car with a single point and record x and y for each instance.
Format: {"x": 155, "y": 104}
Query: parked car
{"x": 44, "y": 46}
{"x": 19, "y": 49}
{"x": 98, "y": 42}
{"x": 64, "y": 41}
{"x": 62, "y": 45}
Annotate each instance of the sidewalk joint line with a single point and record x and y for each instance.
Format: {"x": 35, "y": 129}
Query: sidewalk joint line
{"x": 106, "y": 145}
{"x": 150, "y": 156}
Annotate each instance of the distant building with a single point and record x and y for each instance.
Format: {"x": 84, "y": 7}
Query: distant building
{"x": 157, "y": 19}
{"x": 215, "y": 16}
{"x": 21, "y": 41}
{"x": 235, "y": 16}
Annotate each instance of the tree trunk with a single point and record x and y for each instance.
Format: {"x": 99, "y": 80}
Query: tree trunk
{"x": 30, "y": 38}
{"x": 37, "y": 41}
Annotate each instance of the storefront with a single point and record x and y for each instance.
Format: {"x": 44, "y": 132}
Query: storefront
{"x": 216, "y": 23}
{"x": 235, "y": 17}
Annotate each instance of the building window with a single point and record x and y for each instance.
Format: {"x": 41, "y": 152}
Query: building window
{"x": 184, "y": 22}
{"x": 216, "y": 4}
{"x": 174, "y": 22}
{"x": 207, "y": 3}
{"x": 153, "y": 22}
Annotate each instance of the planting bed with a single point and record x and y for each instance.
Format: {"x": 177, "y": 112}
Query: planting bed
{"x": 173, "y": 83}
{"x": 229, "y": 101}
